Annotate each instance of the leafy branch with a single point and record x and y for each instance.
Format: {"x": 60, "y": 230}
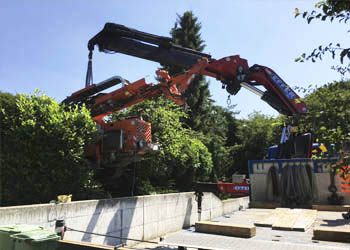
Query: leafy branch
{"x": 328, "y": 10}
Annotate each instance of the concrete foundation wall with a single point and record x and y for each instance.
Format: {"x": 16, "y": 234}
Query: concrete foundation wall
{"x": 142, "y": 217}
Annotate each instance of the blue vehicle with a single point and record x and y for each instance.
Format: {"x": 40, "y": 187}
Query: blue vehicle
{"x": 317, "y": 149}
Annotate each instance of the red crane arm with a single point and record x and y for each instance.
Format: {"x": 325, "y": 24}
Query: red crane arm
{"x": 235, "y": 73}
{"x": 232, "y": 71}
{"x": 139, "y": 91}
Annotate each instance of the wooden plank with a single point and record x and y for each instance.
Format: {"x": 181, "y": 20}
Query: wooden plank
{"x": 334, "y": 208}
{"x": 287, "y": 220}
{"x": 228, "y": 229}
{"x": 305, "y": 220}
{"x": 79, "y": 245}
{"x": 332, "y": 234}
{"x": 258, "y": 204}
{"x": 272, "y": 218}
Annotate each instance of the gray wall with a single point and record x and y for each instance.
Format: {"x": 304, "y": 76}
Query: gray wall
{"x": 141, "y": 217}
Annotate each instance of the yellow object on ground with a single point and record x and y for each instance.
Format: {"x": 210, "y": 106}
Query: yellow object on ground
{"x": 64, "y": 198}
{"x": 321, "y": 147}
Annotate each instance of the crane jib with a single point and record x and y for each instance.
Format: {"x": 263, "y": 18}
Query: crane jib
{"x": 121, "y": 39}
{"x": 286, "y": 90}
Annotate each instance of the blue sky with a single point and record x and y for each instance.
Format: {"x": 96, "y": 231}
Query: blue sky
{"x": 44, "y": 43}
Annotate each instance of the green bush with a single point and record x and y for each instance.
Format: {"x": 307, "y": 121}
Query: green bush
{"x": 43, "y": 149}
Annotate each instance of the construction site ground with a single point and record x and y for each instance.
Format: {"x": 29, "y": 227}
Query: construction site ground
{"x": 265, "y": 238}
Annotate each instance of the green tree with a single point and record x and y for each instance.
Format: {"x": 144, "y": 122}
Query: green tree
{"x": 329, "y": 113}
{"x": 43, "y": 150}
{"x": 216, "y": 123}
{"x": 7, "y": 102}
{"x": 182, "y": 157}
{"x": 328, "y": 118}
{"x": 186, "y": 32}
{"x": 329, "y": 10}
{"x": 221, "y": 135}
{"x": 256, "y": 135}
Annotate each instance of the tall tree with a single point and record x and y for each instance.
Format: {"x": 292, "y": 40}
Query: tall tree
{"x": 216, "y": 123}
{"x": 186, "y": 32}
{"x": 329, "y": 10}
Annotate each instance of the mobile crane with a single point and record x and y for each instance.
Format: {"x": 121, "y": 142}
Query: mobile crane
{"x": 126, "y": 141}
{"x": 232, "y": 71}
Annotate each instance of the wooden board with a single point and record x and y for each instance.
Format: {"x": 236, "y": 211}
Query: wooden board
{"x": 228, "y": 229}
{"x": 286, "y": 220}
{"x": 289, "y": 219}
{"x": 332, "y": 234}
{"x": 306, "y": 219}
{"x": 259, "y": 204}
{"x": 272, "y": 218}
{"x": 335, "y": 208}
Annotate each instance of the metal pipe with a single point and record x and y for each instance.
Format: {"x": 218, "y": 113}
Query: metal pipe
{"x": 112, "y": 81}
{"x": 269, "y": 98}
{"x": 252, "y": 89}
